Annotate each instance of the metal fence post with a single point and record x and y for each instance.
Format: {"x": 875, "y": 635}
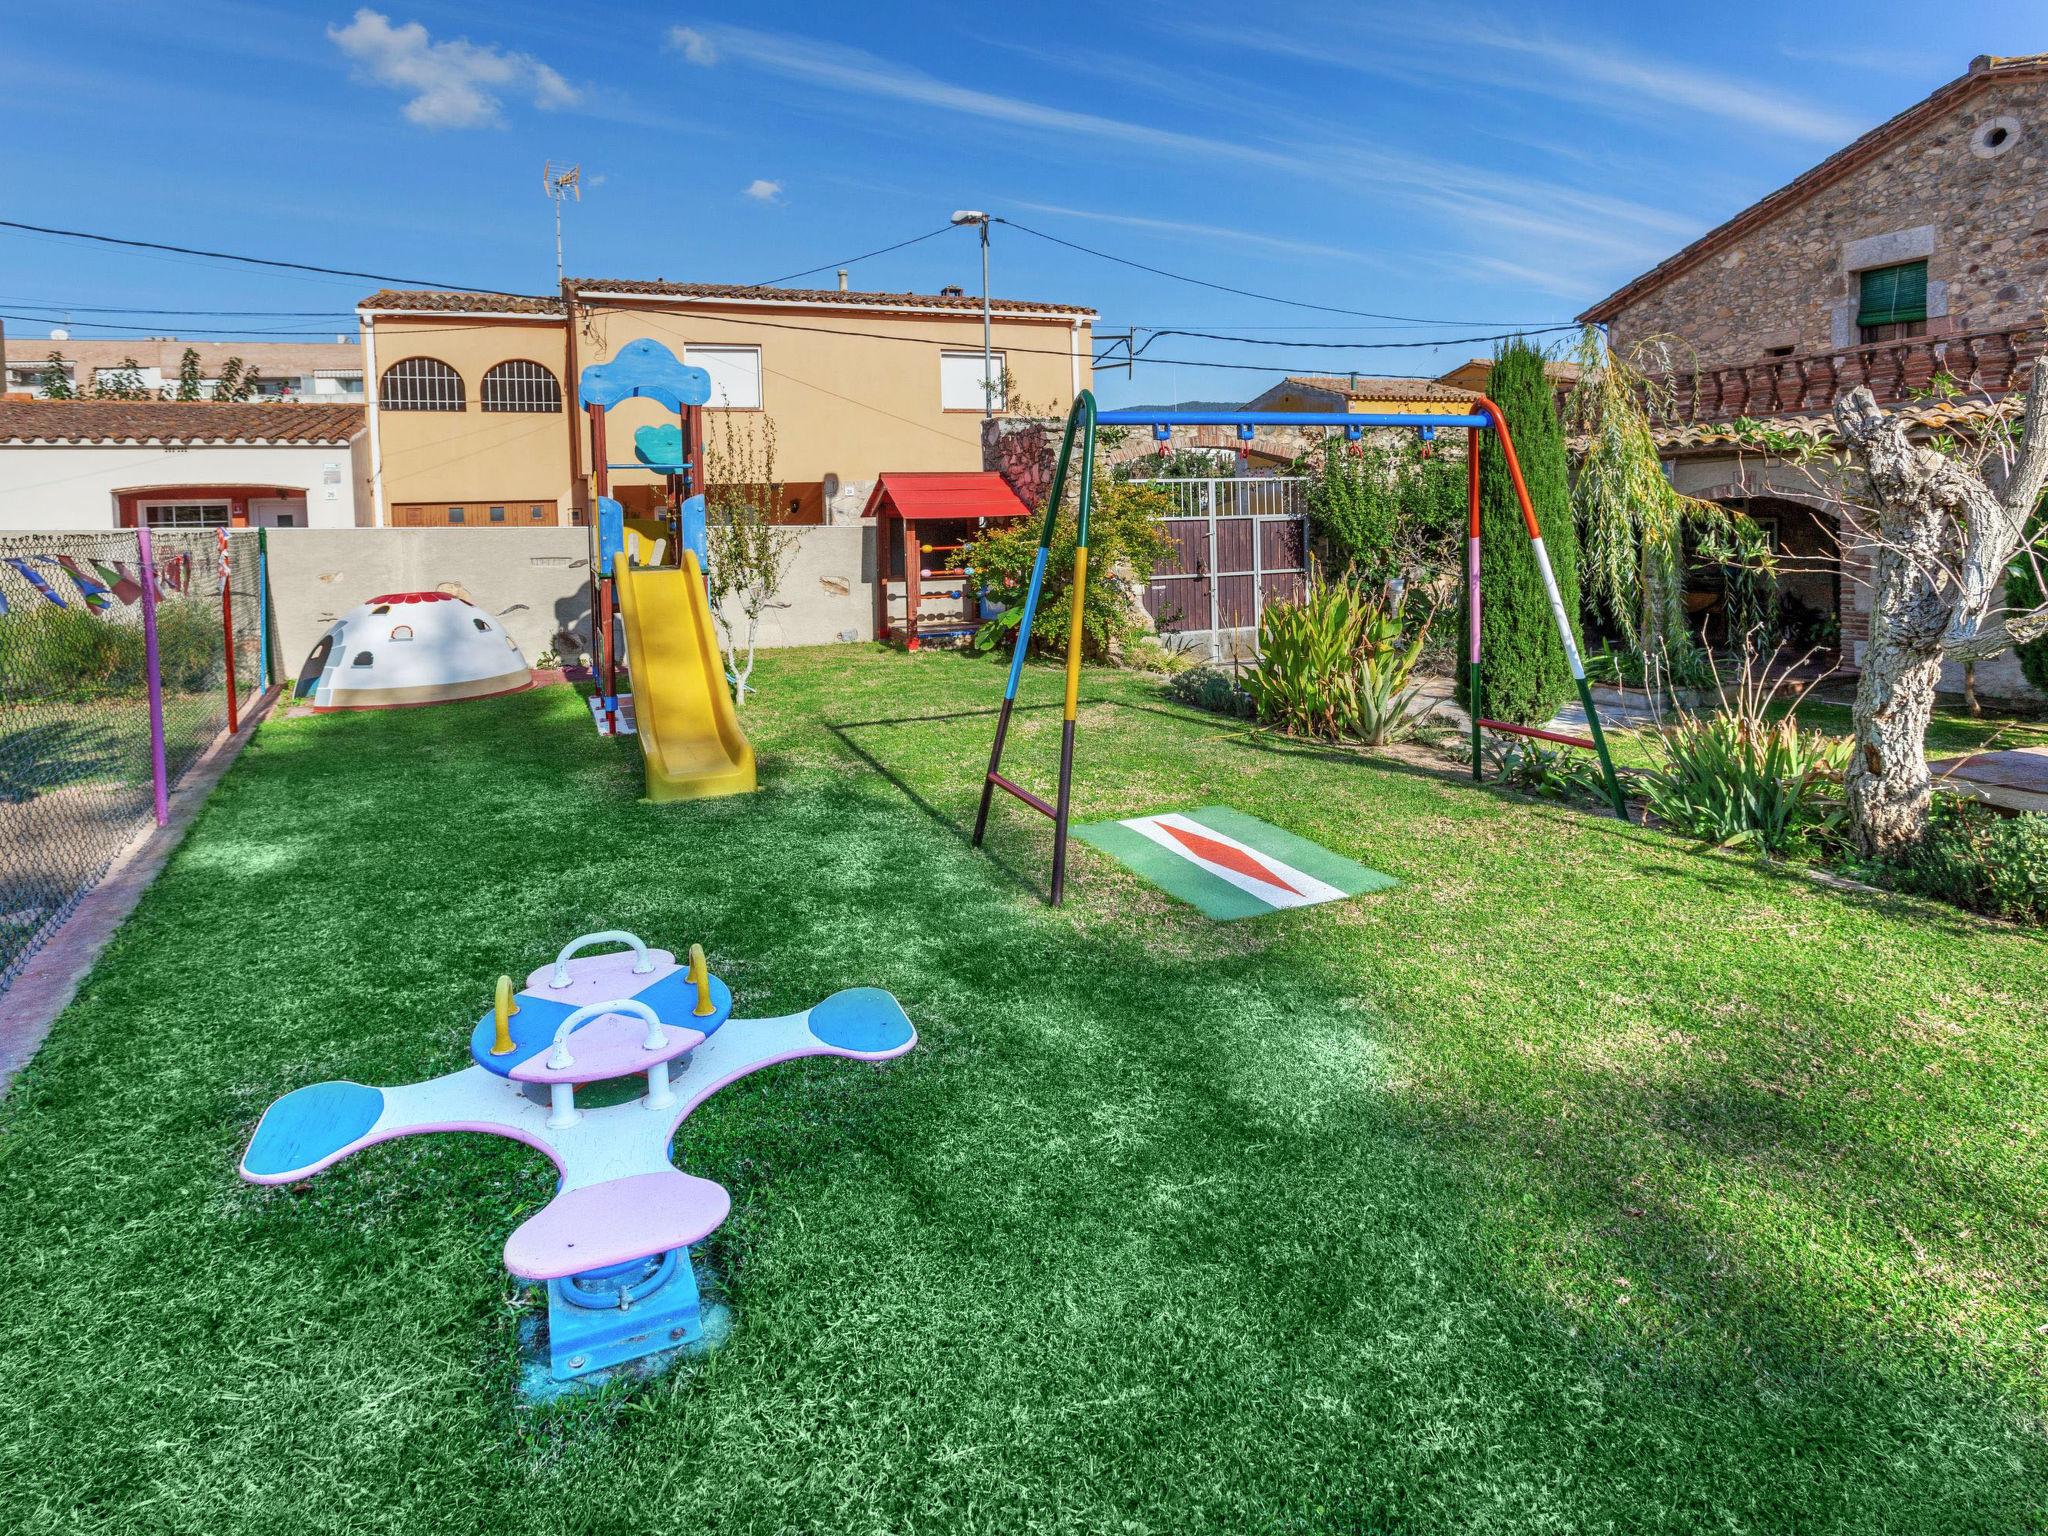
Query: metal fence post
{"x": 262, "y": 611}
{"x": 1209, "y": 568}
{"x": 153, "y": 668}
{"x": 1258, "y": 570}
{"x": 227, "y": 624}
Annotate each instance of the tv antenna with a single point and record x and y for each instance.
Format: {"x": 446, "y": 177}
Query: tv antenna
{"x": 567, "y": 182}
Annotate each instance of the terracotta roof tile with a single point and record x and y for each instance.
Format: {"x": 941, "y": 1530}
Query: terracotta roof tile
{"x": 173, "y": 421}
{"x": 1362, "y": 387}
{"x": 1819, "y": 426}
{"x": 415, "y": 300}
{"x": 418, "y": 301}
{"x": 824, "y": 296}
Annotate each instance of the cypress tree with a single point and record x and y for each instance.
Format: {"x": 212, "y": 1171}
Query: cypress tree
{"x": 1523, "y": 673}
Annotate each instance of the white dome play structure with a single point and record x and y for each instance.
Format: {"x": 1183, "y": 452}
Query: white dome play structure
{"x": 411, "y": 648}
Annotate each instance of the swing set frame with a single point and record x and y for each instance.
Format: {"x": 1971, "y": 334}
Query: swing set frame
{"x": 1082, "y": 422}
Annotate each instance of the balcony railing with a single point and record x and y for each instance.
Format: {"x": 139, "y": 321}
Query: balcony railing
{"x": 1894, "y": 371}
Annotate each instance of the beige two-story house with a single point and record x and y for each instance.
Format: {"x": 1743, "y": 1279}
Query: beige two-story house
{"x": 474, "y": 419}
{"x": 1916, "y": 256}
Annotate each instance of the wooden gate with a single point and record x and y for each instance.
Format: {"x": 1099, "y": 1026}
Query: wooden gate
{"x": 1239, "y": 544}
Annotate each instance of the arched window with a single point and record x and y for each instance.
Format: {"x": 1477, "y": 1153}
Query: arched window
{"x": 420, "y": 384}
{"x": 521, "y": 386}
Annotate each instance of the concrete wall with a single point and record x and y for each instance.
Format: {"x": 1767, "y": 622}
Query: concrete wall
{"x": 72, "y": 485}
{"x": 536, "y": 581}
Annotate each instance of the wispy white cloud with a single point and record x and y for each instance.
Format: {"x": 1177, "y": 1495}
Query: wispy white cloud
{"x": 1202, "y": 231}
{"x": 761, "y": 190}
{"x": 861, "y": 73}
{"x": 451, "y": 84}
{"x": 1545, "y": 217}
{"x": 693, "y": 45}
{"x": 1586, "y": 72}
{"x": 1671, "y": 86}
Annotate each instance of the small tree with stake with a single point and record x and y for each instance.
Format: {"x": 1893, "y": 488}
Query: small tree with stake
{"x": 750, "y": 547}
{"x": 55, "y": 382}
{"x": 188, "y": 376}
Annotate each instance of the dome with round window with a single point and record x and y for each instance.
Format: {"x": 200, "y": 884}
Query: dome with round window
{"x": 411, "y": 648}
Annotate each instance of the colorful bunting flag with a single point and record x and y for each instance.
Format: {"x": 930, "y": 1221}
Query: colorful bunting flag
{"x": 34, "y": 579}
{"x": 96, "y": 596}
{"x": 116, "y": 576}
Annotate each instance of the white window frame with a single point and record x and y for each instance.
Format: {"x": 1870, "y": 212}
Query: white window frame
{"x": 719, "y": 360}
{"x": 145, "y": 513}
{"x": 962, "y": 382}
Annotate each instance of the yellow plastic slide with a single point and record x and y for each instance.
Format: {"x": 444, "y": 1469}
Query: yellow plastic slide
{"x": 689, "y": 733}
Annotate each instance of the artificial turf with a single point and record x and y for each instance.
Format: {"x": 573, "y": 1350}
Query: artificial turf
{"x": 1579, "y": 1183}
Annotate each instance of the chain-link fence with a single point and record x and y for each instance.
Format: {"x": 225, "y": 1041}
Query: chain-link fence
{"x": 77, "y": 754}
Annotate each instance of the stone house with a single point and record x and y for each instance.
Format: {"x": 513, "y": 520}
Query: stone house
{"x": 1916, "y": 255}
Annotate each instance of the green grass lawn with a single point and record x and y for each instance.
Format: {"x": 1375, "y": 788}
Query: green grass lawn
{"x": 1579, "y": 1183}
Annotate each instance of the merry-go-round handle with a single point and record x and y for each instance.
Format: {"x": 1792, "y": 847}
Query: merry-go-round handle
{"x": 560, "y": 1057}
{"x": 642, "y": 961}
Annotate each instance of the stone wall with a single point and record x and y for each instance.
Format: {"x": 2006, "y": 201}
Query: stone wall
{"x": 1978, "y": 213}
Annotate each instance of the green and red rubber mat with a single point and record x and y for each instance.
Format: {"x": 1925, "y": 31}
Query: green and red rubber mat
{"x": 1228, "y": 865}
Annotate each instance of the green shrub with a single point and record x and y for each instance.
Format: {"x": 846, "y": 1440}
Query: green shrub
{"x": 1213, "y": 689}
{"x": 1337, "y": 663}
{"x": 2022, "y": 594}
{"x": 1126, "y": 541}
{"x": 1538, "y": 768}
{"x": 1353, "y": 505}
{"x": 73, "y": 654}
{"x": 1523, "y": 673}
{"x": 1741, "y": 780}
{"x": 1387, "y": 512}
{"x": 1975, "y": 858}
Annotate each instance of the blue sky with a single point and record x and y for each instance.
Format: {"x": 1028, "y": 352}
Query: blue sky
{"x": 1504, "y": 169}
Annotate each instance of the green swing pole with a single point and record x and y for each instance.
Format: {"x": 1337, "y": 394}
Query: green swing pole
{"x": 1081, "y": 424}
{"x": 1557, "y": 613}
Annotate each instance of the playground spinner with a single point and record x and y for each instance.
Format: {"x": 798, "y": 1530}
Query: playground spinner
{"x": 1082, "y": 421}
{"x": 612, "y": 1248}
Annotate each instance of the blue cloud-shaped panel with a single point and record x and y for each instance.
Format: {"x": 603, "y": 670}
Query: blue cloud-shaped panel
{"x": 659, "y": 447}
{"x": 645, "y": 370}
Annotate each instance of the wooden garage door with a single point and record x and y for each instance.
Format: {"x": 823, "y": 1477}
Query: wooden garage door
{"x": 473, "y": 514}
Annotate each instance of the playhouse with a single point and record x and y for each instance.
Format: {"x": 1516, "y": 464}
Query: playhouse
{"x": 922, "y": 524}
{"x": 411, "y": 648}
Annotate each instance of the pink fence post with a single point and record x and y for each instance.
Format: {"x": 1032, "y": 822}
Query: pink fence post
{"x": 153, "y": 665}
{"x": 227, "y": 624}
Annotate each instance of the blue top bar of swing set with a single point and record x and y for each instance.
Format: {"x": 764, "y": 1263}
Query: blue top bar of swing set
{"x": 1145, "y": 418}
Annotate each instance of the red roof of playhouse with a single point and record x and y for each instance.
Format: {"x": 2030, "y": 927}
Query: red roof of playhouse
{"x": 927, "y": 497}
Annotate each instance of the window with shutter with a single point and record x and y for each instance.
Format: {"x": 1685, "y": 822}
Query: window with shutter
{"x": 1892, "y": 301}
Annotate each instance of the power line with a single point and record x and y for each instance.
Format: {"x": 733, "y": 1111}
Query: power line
{"x": 1364, "y": 346}
{"x": 1243, "y": 293}
{"x": 850, "y": 260}
{"x": 63, "y": 309}
{"x": 231, "y": 332}
{"x": 252, "y": 261}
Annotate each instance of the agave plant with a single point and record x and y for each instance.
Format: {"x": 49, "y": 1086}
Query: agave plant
{"x": 1382, "y": 697}
{"x": 1303, "y": 680}
{"x": 1337, "y": 663}
{"x": 1748, "y": 776}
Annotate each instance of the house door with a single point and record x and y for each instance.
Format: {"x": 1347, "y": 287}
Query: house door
{"x": 277, "y": 512}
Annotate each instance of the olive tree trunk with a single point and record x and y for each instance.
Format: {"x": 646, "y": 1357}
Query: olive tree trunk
{"x": 1944, "y": 535}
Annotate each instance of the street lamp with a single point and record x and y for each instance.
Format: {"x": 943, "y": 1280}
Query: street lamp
{"x": 988, "y": 385}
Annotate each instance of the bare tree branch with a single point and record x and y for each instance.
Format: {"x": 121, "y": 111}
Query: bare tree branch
{"x": 2019, "y": 483}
